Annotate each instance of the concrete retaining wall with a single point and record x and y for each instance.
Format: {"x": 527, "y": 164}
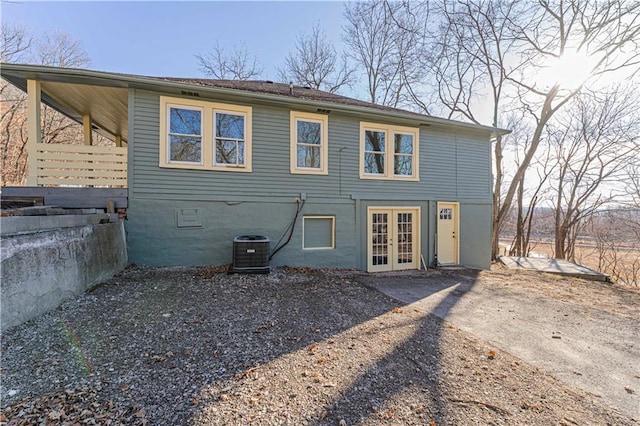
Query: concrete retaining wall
{"x": 42, "y": 269}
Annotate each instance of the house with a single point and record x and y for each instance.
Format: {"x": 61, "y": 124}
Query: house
{"x": 370, "y": 187}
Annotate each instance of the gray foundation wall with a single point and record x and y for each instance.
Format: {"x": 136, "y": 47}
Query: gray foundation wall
{"x": 42, "y": 269}
{"x": 201, "y": 233}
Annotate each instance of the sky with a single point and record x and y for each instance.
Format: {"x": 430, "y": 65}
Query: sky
{"x": 161, "y": 38}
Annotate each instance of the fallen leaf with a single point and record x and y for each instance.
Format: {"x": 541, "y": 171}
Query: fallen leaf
{"x": 246, "y": 374}
{"x": 529, "y": 406}
{"x": 629, "y": 389}
{"x": 55, "y": 415}
{"x": 397, "y": 310}
{"x": 125, "y": 387}
{"x": 491, "y": 354}
{"x": 139, "y": 414}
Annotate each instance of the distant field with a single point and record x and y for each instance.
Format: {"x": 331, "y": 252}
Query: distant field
{"x": 623, "y": 265}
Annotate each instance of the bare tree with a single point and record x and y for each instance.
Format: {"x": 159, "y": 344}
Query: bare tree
{"x": 59, "y": 49}
{"x": 315, "y": 63}
{"x": 633, "y": 182}
{"x": 617, "y": 244}
{"x": 235, "y": 65}
{"x": 382, "y": 37}
{"x": 504, "y": 46}
{"x": 15, "y": 42}
{"x": 606, "y": 32}
{"x": 467, "y": 52}
{"x": 528, "y": 198}
{"x": 53, "y": 49}
{"x": 593, "y": 143}
{"x": 15, "y": 47}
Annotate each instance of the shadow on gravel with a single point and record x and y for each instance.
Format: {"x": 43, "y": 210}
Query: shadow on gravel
{"x": 183, "y": 346}
{"x": 422, "y": 349}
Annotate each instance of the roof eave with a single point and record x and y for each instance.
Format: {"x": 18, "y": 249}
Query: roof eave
{"x": 154, "y": 84}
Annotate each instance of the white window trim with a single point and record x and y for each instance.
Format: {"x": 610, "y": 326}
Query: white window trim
{"x": 208, "y": 134}
{"x": 333, "y": 232}
{"x": 213, "y": 117}
{"x": 324, "y": 143}
{"x": 389, "y": 153}
{"x": 167, "y": 132}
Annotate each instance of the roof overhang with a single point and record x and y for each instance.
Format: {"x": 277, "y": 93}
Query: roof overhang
{"x": 105, "y": 101}
{"x": 104, "y": 96}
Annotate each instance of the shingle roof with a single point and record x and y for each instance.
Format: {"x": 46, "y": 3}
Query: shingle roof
{"x": 280, "y": 92}
{"x": 282, "y": 89}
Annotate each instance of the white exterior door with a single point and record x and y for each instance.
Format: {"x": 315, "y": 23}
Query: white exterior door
{"x": 393, "y": 238}
{"x": 448, "y": 233}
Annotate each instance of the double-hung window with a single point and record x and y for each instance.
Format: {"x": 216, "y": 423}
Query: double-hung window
{"x": 230, "y": 139}
{"x": 185, "y": 135}
{"x": 309, "y": 143}
{"x": 197, "y": 134}
{"x": 375, "y": 148}
{"x": 388, "y": 152}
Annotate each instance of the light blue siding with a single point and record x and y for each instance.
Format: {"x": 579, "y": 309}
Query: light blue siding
{"x": 475, "y": 235}
{"x": 453, "y": 167}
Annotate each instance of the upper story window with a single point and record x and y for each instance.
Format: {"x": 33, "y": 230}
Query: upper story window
{"x": 388, "y": 152}
{"x": 230, "y": 139}
{"x": 375, "y": 152}
{"x": 204, "y": 135}
{"x": 185, "y": 135}
{"x": 309, "y": 143}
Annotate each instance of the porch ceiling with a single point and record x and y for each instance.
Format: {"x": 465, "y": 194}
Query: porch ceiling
{"x": 107, "y": 106}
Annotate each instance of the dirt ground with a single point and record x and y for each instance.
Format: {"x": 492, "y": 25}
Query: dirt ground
{"x": 608, "y": 297}
{"x": 583, "y": 333}
{"x": 316, "y": 347}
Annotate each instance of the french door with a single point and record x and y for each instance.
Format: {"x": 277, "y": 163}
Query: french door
{"x": 393, "y": 238}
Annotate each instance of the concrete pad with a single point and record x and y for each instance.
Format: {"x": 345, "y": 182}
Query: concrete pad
{"x": 591, "y": 349}
{"x": 552, "y": 266}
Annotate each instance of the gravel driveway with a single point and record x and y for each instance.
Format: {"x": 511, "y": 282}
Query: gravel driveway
{"x": 588, "y": 342}
{"x": 299, "y": 347}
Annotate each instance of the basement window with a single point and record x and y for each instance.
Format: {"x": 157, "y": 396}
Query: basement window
{"x": 318, "y": 232}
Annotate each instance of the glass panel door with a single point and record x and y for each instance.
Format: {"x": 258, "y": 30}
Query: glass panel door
{"x": 379, "y": 240}
{"x": 404, "y": 238}
{"x": 393, "y": 240}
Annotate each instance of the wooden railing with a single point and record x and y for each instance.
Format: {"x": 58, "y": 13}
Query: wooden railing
{"x": 78, "y": 165}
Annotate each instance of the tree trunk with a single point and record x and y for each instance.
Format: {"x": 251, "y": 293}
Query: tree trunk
{"x": 497, "y": 189}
